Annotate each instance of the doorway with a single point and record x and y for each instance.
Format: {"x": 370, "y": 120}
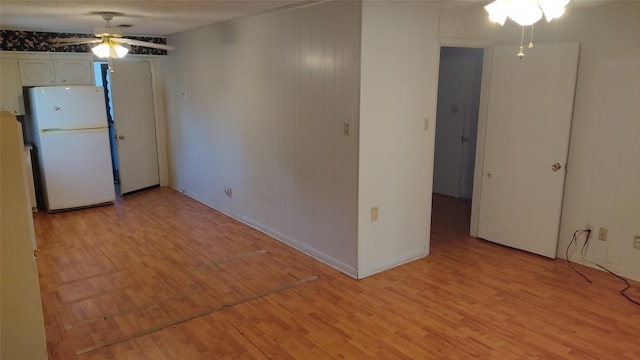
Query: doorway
{"x": 459, "y": 83}
{"x": 102, "y": 79}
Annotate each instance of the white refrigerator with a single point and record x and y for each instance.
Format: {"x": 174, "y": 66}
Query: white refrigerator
{"x": 71, "y": 134}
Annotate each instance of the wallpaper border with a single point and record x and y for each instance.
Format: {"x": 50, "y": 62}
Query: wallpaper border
{"x": 18, "y": 40}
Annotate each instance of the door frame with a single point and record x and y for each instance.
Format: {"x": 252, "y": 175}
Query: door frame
{"x": 469, "y": 119}
{"x": 480, "y": 141}
{"x": 482, "y": 121}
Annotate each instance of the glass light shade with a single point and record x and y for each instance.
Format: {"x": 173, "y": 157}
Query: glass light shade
{"x": 102, "y": 50}
{"x": 553, "y": 9}
{"x": 525, "y": 12}
{"x": 118, "y": 51}
{"x": 498, "y": 11}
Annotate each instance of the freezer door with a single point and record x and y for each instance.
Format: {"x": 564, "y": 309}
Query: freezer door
{"x": 68, "y": 107}
{"x": 76, "y": 168}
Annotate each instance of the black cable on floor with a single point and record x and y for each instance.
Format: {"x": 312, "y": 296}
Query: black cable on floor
{"x": 573, "y": 240}
{"x": 622, "y": 292}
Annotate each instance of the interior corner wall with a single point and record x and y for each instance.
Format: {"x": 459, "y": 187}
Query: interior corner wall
{"x": 601, "y": 187}
{"x": 399, "y": 57}
{"x": 260, "y": 105}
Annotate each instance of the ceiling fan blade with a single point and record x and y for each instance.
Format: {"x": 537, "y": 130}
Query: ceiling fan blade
{"x": 142, "y": 43}
{"x": 57, "y": 42}
{"x": 68, "y": 40}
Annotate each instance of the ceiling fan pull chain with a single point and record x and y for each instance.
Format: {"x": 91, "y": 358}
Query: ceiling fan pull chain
{"x": 531, "y": 39}
{"x": 521, "y": 52}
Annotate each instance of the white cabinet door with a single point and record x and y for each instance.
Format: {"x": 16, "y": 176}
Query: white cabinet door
{"x": 43, "y": 72}
{"x": 36, "y": 72}
{"x": 74, "y": 72}
{"x": 10, "y": 89}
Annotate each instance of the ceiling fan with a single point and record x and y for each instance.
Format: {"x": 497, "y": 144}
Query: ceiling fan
{"x": 110, "y": 41}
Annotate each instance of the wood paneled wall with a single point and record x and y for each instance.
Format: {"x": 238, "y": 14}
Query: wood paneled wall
{"x": 260, "y": 105}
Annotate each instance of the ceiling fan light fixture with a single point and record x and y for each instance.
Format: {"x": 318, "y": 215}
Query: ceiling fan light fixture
{"x": 102, "y": 50}
{"x": 107, "y": 49}
{"x": 525, "y": 12}
{"x": 119, "y": 51}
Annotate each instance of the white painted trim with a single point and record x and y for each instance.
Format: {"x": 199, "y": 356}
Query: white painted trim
{"x": 453, "y": 42}
{"x": 323, "y": 258}
{"x": 160, "y": 120}
{"x": 480, "y": 142}
{"x": 392, "y": 262}
{"x": 624, "y": 271}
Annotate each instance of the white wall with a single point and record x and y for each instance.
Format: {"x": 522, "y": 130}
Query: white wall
{"x": 260, "y": 105}
{"x": 602, "y": 185}
{"x": 400, "y": 55}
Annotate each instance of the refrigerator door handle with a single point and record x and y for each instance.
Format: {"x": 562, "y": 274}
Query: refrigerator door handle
{"x": 48, "y": 132}
{"x": 73, "y": 129}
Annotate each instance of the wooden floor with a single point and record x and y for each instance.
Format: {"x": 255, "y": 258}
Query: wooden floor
{"x": 160, "y": 276}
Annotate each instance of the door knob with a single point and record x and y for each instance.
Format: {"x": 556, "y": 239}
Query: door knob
{"x": 556, "y": 167}
{"x": 120, "y": 137}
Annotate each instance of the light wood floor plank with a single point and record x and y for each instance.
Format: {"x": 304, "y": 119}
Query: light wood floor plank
{"x": 161, "y": 276}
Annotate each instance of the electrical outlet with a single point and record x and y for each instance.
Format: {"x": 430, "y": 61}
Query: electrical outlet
{"x": 374, "y": 213}
{"x": 228, "y": 192}
{"x": 602, "y": 234}
{"x": 589, "y": 227}
{"x": 636, "y": 242}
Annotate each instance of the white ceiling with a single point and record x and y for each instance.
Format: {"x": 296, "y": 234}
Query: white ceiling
{"x": 151, "y": 17}
{"x": 148, "y": 17}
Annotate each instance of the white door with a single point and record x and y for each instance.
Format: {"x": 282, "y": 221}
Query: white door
{"x": 133, "y": 115}
{"x": 529, "y": 111}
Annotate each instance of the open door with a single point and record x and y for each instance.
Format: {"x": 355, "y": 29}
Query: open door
{"x": 133, "y": 110}
{"x": 529, "y": 112}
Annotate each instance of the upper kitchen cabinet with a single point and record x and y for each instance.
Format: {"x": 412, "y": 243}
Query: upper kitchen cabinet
{"x": 10, "y": 88}
{"x": 37, "y": 72}
{"x": 56, "y": 71}
{"x": 74, "y": 72}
